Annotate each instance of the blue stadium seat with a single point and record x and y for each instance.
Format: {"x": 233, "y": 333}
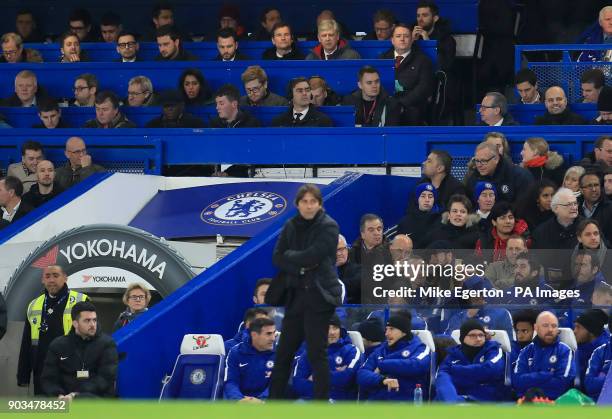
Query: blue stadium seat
{"x": 198, "y": 370}
{"x": 427, "y": 338}
{"x": 356, "y": 339}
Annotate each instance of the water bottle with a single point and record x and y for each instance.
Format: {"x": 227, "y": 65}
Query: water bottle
{"x": 418, "y": 395}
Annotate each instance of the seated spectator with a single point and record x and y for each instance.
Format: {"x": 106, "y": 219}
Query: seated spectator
{"x": 501, "y": 273}
{"x": 173, "y": 113}
{"x": 594, "y": 203}
{"x": 557, "y": 111}
{"x": 11, "y": 204}
{"x": 229, "y": 114}
{"x": 67, "y": 375}
{"x": 327, "y": 14}
{"x": 284, "y": 46}
{"x": 70, "y": 49}
{"x": 393, "y": 370}
{"x": 128, "y": 47}
{"x": 259, "y": 294}
{"x": 321, "y": 93}
{"x": 344, "y": 360}
{"x": 85, "y": 90}
{"x": 25, "y": 170}
{"x": 541, "y": 161}
{"x": 422, "y": 216}
{"x": 598, "y": 367}
{"x": 529, "y": 287}
{"x": 50, "y": 115}
{"x": 255, "y": 81}
{"x": 269, "y": 17}
{"x": 546, "y": 363}
{"x": 598, "y": 33}
{"x": 348, "y": 272}
{"x": 494, "y": 110}
{"x": 79, "y": 24}
{"x": 383, "y": 22}
{"x": 162, "y": 14}
{"x": 526, "y": 83}
{"x": 373, "y": 335}
{"x": 301, "y": 112}
{"x": 604, "y": 107}
{"x": 140, "y": 92}
{"x": 608, "y": 182}
{"x": 229, "y": 18}
{"x": 107, "y": 113}
{"x": 27, "y": 92}
{"x": 26, "y": 27}
{"x": 491, "y": 167}
{"x": 373, "y": 106}
{"x": 473, "y": 370}
{"x": 500, "y": 141}
{"x": 170, "y": 46}
{"x": 136, "y": 299}
{"x": 590, "y": 238}
{"x": 601, "y": 155}
{"x": 490, "y": 317}
{"x": 534, "y": 206}
{"x": 14, "y": 52}
{"x": 492, "y": 244}
{"x": 431, "y": 26}
{"x": 571, "y": 180}
{"x": 414, "y": 82}
{"x": 110, "y": 27}
{"x": 331, "y": 47}
{"x": 590, "y": 334}
{"x": 437, "y": 171}
{"x": 227, "y": 45}
{"x": 243, "y": 332}
{"x": 586, "y": 275}
{"x": 558, "y": 233}
{"x": 45, "y": 187}
{"x": 459, "y": 224}
{"x": 79, "y": 165}
{"x": 524, "y": 326}
{"x": 194, "y": 88}
{"x": 591, "y": 83}
{"x": 401, "y": 248}
{"x": 484, "y": 197}
{"x": 249, "y": 364}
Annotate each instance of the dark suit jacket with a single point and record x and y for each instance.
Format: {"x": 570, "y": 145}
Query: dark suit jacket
{"x": 313, "y": 118}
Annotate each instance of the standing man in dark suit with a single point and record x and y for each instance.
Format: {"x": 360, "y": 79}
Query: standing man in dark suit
{"x": 306, "y": 255}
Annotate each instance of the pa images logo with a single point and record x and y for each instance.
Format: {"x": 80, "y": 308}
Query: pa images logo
{"x": 244, "y": 208}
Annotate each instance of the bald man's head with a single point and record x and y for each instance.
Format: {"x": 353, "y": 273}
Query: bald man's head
{"x": 75, "y": 149}
{"x": 401, "y": 247}
{"x": 547, "y": 327}
{"x": 45, "y": 172}
{"x": 555, "y": 100}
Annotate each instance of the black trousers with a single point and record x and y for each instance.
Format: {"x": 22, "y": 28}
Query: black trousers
{"x": 301, "y": 323}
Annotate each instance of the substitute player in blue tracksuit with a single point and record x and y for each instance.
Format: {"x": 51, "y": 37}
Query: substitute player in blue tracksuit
{"x": 393, "y": 370}
{"x": 473, "y": 370}
{"x": 545, "y": 363}
{"x": 590, "y": 334}
{"x": 344, "y": 361}
{"x": 243, "y": 331}
{"x": 249, "y": 364}
{"x": 598, "y": 367}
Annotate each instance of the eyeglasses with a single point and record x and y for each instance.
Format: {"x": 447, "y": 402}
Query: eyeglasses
{"x": 137, "y": 93}
{"x": 79, "y": 89}
{"x": 591, "y": 186}
{"x": 569, "y": 204}
{"x": 254, "y": 89}
{"x": 10, "y": 52}
{"x": 136, "y": 297}
{"x": 125, "y": 45}
{"x": 81, "y": 151}
{"x": 483, "y": 161}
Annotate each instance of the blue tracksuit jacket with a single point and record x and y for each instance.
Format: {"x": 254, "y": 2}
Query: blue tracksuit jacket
{"x": 551, "y": 368}
{"x": 247, "y": 372}
{"x": 597, "y": 370}
{"x": 407, "y": 361}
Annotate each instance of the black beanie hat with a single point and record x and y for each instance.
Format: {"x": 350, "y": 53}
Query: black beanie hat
{"x": 604, "y": 103}
{"x": 372, "y": 330}
{"x": 401, "y": 321}
{"x": 335, "y": 320}
{"x": 593, "y": 320}
{"x": 468, "y": 326}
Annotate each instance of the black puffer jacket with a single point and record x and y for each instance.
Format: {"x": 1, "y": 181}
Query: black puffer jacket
{"x": 460, "y": 237}
{"x": 71, "y": 353}
{"x": 306, "y": 252}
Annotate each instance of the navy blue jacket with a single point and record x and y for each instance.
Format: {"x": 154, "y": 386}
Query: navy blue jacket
{"x": 342, "y": 354}
{"x": 597, "y": 370}
{"x": 407, "y": 361}
{"x": 479, "y": 379}
{"x": 584, "y": 352}
{"x": 247, "y": 372}
{"x": 491, "y": 317}
{"x": 551, "y": 368}
{"x": 240, "y": 336}
{"x": 586, "y": 290}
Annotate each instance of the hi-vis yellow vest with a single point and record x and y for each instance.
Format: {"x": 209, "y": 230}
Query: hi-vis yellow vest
{"x": 35, "y": 313}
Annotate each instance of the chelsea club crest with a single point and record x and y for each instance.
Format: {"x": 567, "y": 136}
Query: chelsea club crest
{"x": 244, "y": 208}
